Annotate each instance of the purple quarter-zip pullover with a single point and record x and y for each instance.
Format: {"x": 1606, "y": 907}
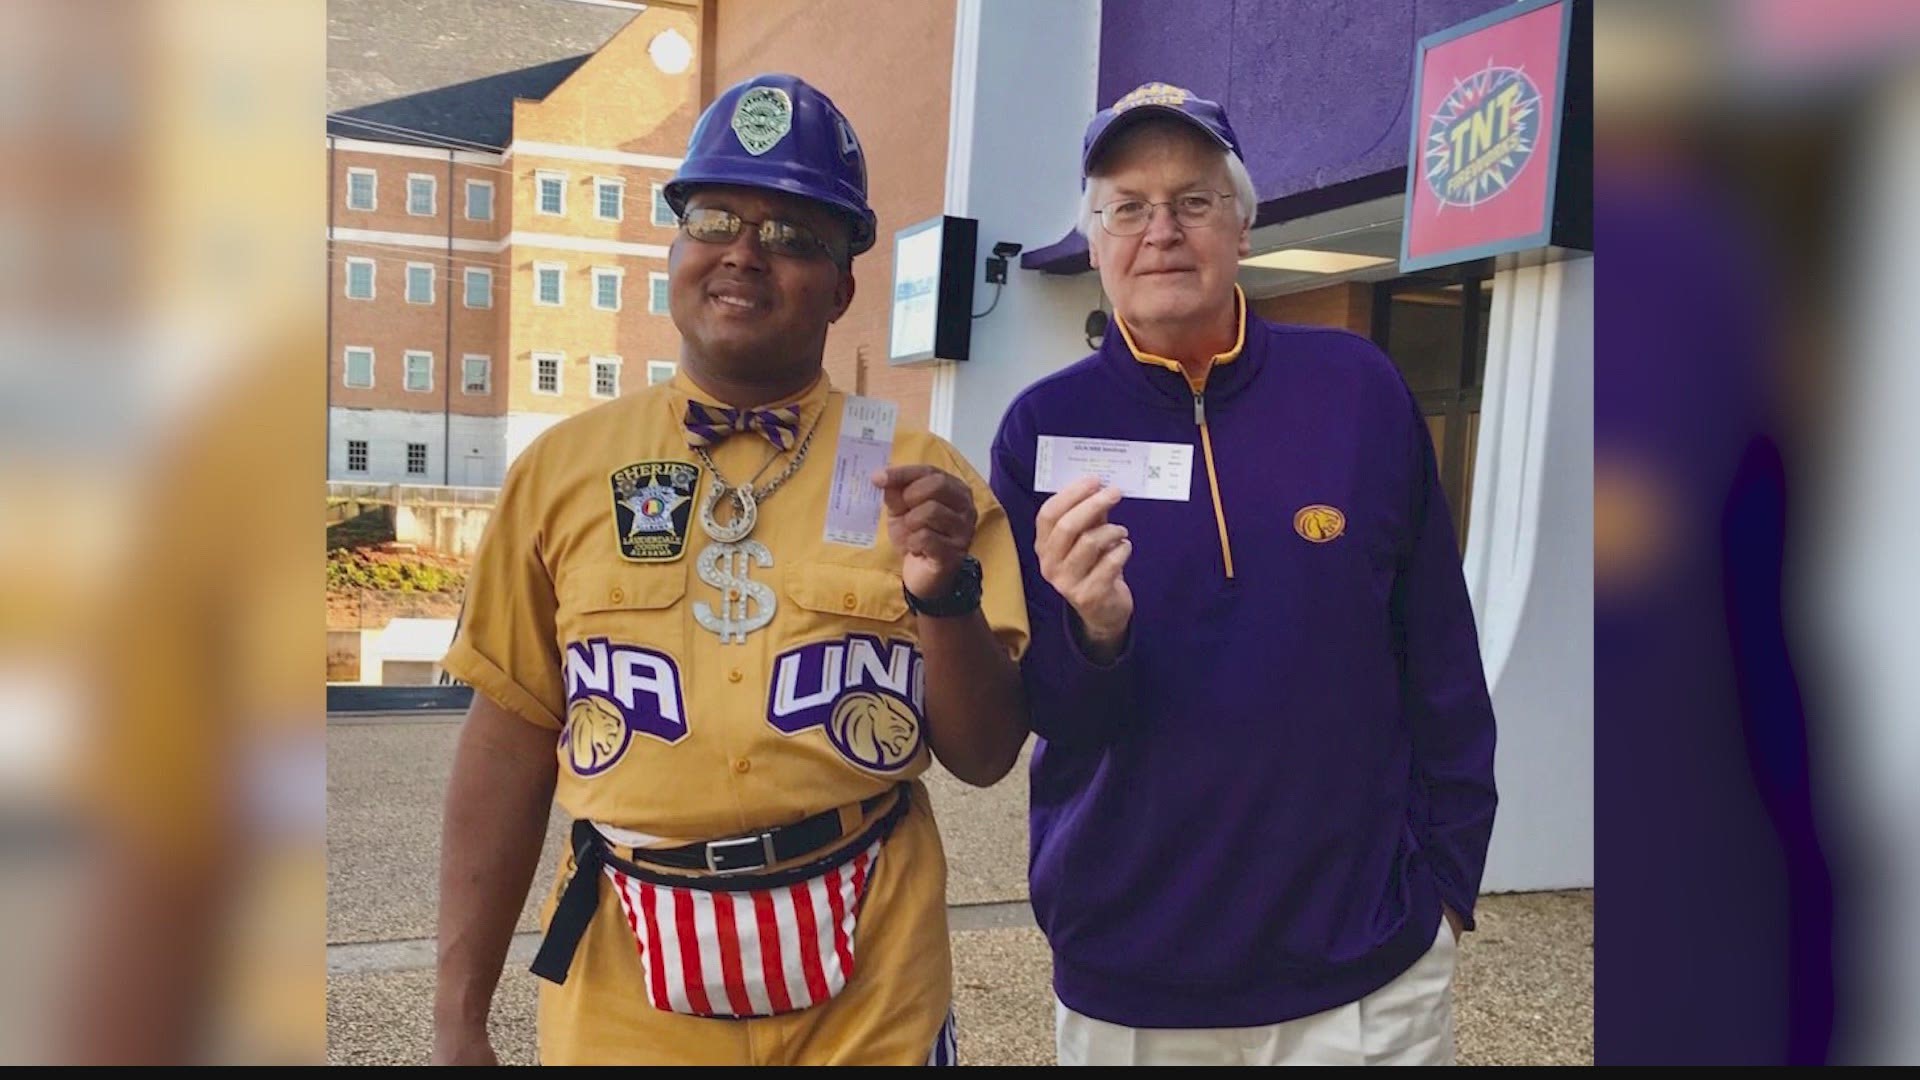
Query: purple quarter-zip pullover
{"x": 1258, "y": 810}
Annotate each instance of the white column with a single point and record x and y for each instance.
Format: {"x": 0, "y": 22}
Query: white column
{"x": 1024, "y": 79}
{"x": 1529, "y": 567}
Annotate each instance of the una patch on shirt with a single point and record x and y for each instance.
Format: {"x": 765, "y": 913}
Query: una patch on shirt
{"x": 867, "y": 694}
{"x": 613, "y": 692}
{"x": 652, "y": 509}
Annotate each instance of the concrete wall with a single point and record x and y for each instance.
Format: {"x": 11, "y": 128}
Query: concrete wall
{"x": 344, "y": 653}
{"x": 446, "y": 530}
{"x": 409, "y": 673}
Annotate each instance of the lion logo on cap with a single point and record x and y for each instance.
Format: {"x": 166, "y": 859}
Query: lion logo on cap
{"x": 1153, "y": 93}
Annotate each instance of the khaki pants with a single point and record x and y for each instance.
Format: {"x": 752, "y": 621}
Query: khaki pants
{"x": 1409, "y": 1021}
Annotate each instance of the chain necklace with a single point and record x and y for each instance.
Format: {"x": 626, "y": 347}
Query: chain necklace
{"x": 727, "y": 564}
{"x": 746, "y": 498}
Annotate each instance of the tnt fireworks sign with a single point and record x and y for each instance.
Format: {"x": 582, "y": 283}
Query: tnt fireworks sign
{"x": 1485, "y": 153}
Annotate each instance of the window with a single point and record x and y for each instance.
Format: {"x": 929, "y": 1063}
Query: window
{"x": 362, "y": 189}
{"x": 359, "y": 279}
{"x": 356, "y": 455}
{"x": 476, "y": 375}
{"x": 479, "y": 200}
{"x": 659, "y": 371}
{"x": 420, "y": 194}
{"x": 479, "y": 288}
{"x": 416, "y": 459}
{"x": 546, "y": 373}
{"x": 1434, "y": 327}
{"x": 606, "y": 288}
{"x": 553, "y": 193}
{"x": 662, "y": 213}
{"x": 419, "y": 371}
{"x": 359, "y": 368}
{"x": 657, "y": 293}
{"x": 609, "y": 198}
{"x": 606, "y": 376}
{"x": 547, "y": 285}
{"x": 419, "y": 283}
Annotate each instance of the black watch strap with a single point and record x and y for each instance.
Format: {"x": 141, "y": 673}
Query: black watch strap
{"x": 962, "y": 599}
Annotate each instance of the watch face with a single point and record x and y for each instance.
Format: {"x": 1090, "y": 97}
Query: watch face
{"x": 963, "y": 597}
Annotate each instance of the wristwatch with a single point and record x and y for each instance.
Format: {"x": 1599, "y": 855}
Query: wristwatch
{"x": 962, "y": 599}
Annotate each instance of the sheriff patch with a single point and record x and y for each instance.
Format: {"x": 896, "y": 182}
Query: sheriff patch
{"x": 652, "y": 507}
{"x": 866, "y": 694}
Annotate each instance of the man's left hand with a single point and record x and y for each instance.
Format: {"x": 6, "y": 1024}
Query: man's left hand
{"x": 930, "y": 517}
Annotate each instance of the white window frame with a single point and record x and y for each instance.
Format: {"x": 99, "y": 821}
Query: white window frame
{"x": 619, "y": 275}
{"x": 466, "y": 384}
{"x": 471, "y": 184}
{"x": 373, "y": 276}
{"x": 374, "y": 192}
{"x": 366, "y": 464}
{"x": 660, "y": 213}
{"x": 432, "y": 282}
{"x": 433, "y": 194}
{"x": 559, "y": 373}
{"x": 654, "y": 279}
{"x": 426, "y": 458}
{"x": 560, "y": 295}
{"x": 600, "y": 183}
{"x": 655, "y": 367}
{"x": 406, "y": 371}
{"x": 611, "y": 361}
{"x": 540, "y": 177}
{"x": 346, "y": 366}
{"x": 466, "y": 287}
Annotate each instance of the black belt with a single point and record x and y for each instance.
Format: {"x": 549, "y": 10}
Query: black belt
{"x": 759, "y": 850}
{"x": 725, "y": 858}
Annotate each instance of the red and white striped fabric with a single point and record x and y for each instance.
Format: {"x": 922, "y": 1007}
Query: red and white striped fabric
{"x": 750, "y": 953}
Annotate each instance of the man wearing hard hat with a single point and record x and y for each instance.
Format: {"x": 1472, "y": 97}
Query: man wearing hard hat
{"x": 689, "y": 628}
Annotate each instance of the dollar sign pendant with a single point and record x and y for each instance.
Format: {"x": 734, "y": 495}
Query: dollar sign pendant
{"x": 725, "y": 567}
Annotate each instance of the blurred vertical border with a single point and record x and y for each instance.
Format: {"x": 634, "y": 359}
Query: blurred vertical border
{"x": 162, "y": 754}
{"x": 1756, "y": 463}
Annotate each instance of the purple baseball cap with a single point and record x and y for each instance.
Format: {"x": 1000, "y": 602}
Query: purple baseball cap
{"x": 1157, "y": 99}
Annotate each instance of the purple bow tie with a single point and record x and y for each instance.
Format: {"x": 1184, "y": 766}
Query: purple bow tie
{"x": 709, "y": 424}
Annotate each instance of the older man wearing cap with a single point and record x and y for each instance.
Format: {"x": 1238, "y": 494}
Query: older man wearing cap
{"x": 1263, "y": 788}
{"x": 687, "y": 626}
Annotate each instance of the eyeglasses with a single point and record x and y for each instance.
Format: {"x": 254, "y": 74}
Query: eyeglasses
{"x": 713, "y": 226}
{"x": 1193, "y": 210}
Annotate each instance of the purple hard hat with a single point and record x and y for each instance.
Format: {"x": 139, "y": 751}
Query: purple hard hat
{"x": 776, "y": 132}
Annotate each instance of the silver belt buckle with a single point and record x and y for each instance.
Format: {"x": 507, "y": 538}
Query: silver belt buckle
{"x": 722, "y": 864}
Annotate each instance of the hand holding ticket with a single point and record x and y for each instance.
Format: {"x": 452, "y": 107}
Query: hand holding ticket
{"x": 1139, "y": 470}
